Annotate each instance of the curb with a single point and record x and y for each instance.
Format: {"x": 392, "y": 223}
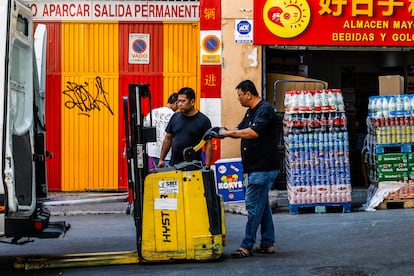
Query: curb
{"x": 75, "y": 204}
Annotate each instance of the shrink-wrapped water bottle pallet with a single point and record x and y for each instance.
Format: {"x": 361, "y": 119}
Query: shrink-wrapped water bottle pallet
{"x": 394, "y": 148}
{"x": 397, "y": 203}
{"x": 320, "y": 208}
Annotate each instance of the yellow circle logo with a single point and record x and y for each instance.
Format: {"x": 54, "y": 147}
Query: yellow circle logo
{"x": 286, "y": 19}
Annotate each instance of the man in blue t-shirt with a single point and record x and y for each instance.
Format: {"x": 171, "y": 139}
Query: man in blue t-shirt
{"x": 259, "y": 140}
{"x": 186, "y": 129}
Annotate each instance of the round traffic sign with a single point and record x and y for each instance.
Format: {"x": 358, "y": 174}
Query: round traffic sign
{"x": 211, "y": 43}
{"x": 139, "y": 45}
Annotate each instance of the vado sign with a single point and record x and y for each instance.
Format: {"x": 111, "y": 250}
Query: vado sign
{"x": 139, "y": 45}
{"x": 330, "y": 22}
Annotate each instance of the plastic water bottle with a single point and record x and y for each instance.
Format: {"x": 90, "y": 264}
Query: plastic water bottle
{"x": 399, "y": 106}
{"x": 289, "y": 97}
{"x": 324, "y": 101}
{"x": 412, "y": 104}
{"x": 302, "y": 104}
{"x": 407, "y": 105}
{"x": 371, "y": 107}
{"x": 392, "y": 106}
{"x": 294, "y": 102}
{"x": 385, "y": 111}
{"x": 317, "y": 101}
{"x": 378, "y": 107}
{"x": 340, "y": 100}
{"x": 385, "y": 108}
{"x": 332, "y": 101}
{"x": 309, "y": 101}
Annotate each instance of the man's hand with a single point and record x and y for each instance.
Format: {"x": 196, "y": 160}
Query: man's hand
{"x": 223, "y": 131}
{"x": 246, "y": 133}
{"x": 160, "y": 164}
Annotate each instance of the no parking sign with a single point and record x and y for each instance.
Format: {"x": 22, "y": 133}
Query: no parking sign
{"x": 139, "y": 45}
{"x": 210, "y": 47}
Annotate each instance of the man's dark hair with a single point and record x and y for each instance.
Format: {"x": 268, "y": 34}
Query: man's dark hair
{"x": 173, "y": 98}
{"x": 187, "y": 91}
{"x": 248, "y": 86}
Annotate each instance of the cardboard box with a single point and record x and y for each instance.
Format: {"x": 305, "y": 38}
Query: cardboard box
{"x": 391, "y": 85}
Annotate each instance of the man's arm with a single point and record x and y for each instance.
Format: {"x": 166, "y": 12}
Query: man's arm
{"x": 208, "y": 152}
{"x": 246, "y": 133}
{"x": 166, "y": 145}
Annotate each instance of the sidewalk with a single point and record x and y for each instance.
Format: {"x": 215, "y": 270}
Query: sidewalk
{"x": 82, "y": 203}
{"x": 86, "y": 203}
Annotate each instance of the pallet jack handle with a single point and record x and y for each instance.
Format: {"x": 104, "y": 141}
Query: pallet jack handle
{"x": 190, "y": 152}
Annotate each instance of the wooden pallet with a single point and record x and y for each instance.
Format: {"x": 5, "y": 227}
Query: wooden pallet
{"x": 396, "y": 204}
{"x": 320, "y": 208}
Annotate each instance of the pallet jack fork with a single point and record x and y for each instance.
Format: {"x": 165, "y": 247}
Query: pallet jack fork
{"x": 77, "y": 260}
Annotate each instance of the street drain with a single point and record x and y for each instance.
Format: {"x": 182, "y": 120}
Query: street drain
{"x": 343, "y": 271}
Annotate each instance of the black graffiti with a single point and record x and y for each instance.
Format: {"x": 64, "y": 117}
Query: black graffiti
{"x": 83, "y": 100}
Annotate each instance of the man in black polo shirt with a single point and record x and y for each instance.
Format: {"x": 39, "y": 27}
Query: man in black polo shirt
{"x": 259, "y": 139}
{"x": 186, "y": 129}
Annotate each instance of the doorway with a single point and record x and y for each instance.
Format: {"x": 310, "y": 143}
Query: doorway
{"x": 355, "y": 72}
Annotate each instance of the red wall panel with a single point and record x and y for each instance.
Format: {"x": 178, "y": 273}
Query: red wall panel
{"x": 53, "y": 130}
{"x": 156, "y": 83}
{"x": 53, "y": 104}
{"x": 151, "y": 73}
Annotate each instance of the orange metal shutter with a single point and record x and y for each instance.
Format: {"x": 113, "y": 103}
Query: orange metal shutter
{"x": 89, "y": 106}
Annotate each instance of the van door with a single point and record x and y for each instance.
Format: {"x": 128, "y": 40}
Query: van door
{"x": 18, "y": 132}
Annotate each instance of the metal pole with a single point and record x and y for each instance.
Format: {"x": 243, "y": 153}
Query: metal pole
{"x": 136, "y": 93}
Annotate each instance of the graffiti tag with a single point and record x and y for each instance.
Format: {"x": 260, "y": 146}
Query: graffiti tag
{"x": 84, "y": 101}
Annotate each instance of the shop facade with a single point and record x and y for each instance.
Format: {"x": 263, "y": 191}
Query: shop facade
{"x": 96, "y": 48}
{"x": 348, "y": 45}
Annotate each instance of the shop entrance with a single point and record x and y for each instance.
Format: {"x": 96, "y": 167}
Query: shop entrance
{"x": 355, "y": 72}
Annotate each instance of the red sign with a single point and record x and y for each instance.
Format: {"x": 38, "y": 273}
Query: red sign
{"x": 210, "y": 15}
{"x": 210, "y": 81}
{"x": 334, "y": 22}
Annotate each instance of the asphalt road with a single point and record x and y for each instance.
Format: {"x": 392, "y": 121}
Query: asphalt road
{"x": 357, "y": 243}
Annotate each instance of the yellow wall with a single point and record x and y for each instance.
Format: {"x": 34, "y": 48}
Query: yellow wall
{"x": 89, "y": 106}
{"x": 181, "y": 58}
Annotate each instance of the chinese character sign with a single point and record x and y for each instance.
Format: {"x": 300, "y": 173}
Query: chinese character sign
{"x": 210, "y": 81}
{"x": 210, "y": 15}
{"x": 334, "y": 22}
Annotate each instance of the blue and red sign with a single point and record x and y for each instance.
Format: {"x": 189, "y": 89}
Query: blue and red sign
{"x": 211, "y": 43}
{"x": 139, "y": 46}
{"x": 139, "y": 49}
{"x": 344, "y": 23}
{"x": 210, "y": 47}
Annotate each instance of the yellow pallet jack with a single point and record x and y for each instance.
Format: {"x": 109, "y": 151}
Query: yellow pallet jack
{"x": 177, "y": 212}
